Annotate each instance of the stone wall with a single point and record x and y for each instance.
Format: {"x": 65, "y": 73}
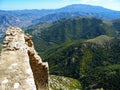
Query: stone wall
{"x": 17, "y": 58}
{"x": 39, "y": 68}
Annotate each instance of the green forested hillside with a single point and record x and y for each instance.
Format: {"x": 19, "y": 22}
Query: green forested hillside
{"x": 64, "y": 83}
{"x": 87, "y": 49}
{"x": 94, "y": 65}
{"x": 67, "y": 30}
{"x": 116, "y": 24}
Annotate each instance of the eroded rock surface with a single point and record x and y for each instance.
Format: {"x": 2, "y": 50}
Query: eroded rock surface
{"x": 39, "y": 68}
{"x": 17, "y": 58}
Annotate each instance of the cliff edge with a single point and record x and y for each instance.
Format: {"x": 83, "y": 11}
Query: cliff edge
{"x": 20, "y": 66}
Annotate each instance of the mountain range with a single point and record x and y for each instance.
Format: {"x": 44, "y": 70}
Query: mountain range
{"x": 84, "y": 48}
{"x": 47, "y": 35}
{"x": 94, "y": 64}
{"x": 25, "y": 18}
{"x": 78, "y": 41}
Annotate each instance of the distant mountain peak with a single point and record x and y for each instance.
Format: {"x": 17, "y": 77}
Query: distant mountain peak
{"x": 25, "y": 18}
{"x": 86, "y": 8}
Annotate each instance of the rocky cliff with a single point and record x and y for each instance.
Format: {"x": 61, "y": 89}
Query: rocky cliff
{"x": 20, "y": 66}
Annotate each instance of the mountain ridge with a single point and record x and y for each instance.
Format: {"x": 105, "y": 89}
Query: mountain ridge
{"x": 86, "y": 6}
{"x": 95, "y": 65}
{"x": 32, "y": 17}
{"x": 67, "y": 30}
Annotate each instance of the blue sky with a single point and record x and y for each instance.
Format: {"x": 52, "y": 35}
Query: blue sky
{"x": 52, "y": 4}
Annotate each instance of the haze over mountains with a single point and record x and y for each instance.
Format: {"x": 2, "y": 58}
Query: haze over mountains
{"x": 25, "y": 18}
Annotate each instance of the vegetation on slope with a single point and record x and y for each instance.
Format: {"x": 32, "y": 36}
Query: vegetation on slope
{"x": 86, "y": 61}
{"x": 102, "y": 39}
{"x": 64, "y": 83}
{"x": 68, "y": 30}
{"x": 72, "y": 50}
{"x": 107, "y": 77}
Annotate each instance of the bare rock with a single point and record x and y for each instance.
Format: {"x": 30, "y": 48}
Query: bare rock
{"x": 20, "y": 66}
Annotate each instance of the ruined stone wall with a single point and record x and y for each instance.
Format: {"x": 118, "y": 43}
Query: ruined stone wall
{"x": 17, "y": 58}
{"x": 39, "y": 68}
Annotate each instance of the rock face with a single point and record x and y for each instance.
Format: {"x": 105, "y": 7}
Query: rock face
{"x": 39, "y": 68}
{"x": 20, "y": 66}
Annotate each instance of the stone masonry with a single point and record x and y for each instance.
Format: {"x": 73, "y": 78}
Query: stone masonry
{"x": 20, "y": 66}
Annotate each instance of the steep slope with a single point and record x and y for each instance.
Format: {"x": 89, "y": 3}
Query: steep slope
{"x": 64, "y": 83}
{"x": 68, "y": 30}
{"x": 116, "y": 25}
{"x": 116, "y": 22}
{"x": 6, "y": 21}
{"x": 22, "y": 69}
{"x": 95, "y": 65}
{"x": 101, "y": 40}
{"x": 20, "y": 18}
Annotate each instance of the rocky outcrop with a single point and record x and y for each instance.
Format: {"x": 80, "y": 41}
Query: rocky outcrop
{"x": 20, "y": 66}
{"x": 64, "y": 83}
{"x": 39, "y": 68}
